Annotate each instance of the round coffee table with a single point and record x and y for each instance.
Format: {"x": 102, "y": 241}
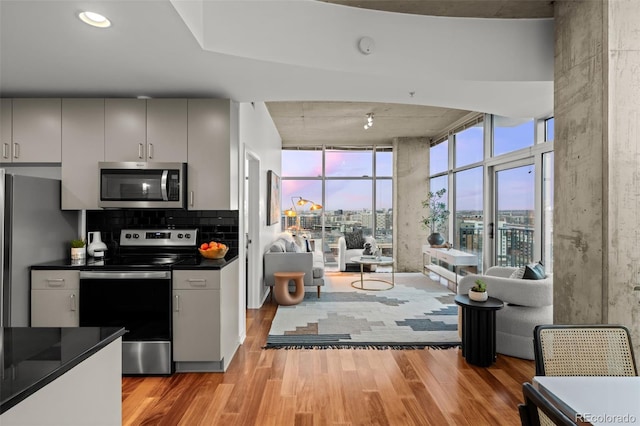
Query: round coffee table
{"x": 381, "y": 261}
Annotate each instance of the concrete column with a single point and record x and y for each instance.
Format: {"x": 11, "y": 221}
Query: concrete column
{"x": 597, "y": 164}
{"x": 411, "y": 177}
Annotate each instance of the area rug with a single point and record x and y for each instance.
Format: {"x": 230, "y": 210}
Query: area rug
{"x": 416, "y": 313}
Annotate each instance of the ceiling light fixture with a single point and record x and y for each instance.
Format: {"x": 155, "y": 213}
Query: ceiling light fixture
{"x": 369, "y": 123}
{"x": 94, "y": 19}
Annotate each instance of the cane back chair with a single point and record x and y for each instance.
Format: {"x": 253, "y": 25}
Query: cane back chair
{"x": 583, "y": 350}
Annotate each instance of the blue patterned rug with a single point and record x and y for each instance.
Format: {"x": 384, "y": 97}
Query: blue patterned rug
{"x": 415, "y": 314}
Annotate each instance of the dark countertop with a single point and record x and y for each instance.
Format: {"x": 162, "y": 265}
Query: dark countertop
{"x": 91, "y": 263}
{"x": 32, "y": 357}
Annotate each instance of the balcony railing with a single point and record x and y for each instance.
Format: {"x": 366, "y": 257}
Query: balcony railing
{"x": 514, "y": 245}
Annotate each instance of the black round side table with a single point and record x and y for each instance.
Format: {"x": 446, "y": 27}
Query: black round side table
{"x": 479, "y": 329}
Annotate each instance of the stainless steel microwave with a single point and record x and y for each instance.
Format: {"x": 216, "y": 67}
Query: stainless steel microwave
{"x": 142, "y": 185}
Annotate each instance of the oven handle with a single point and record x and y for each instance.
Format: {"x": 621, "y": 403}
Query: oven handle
{"x": 132, "y": 275}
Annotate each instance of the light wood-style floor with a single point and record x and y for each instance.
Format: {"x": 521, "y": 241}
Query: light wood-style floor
{"x": 331, "y": 387}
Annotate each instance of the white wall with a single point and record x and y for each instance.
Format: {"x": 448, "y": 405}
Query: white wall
{"x": 259, "y": 136}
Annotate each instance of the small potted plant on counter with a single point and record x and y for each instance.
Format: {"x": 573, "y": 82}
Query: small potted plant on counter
{"x": 78, "y": 251}
{"x": 478, "y": 292}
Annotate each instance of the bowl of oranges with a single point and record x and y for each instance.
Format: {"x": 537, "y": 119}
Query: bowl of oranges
{"x": 213, "y": 250}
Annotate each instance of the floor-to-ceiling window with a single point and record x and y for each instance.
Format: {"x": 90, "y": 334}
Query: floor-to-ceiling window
{"x": 468, "y": 177}
{"x": 469, "y": 212}
{"x": 439, "y": 167}
{"x": 353, "y": 186}
{"x": 499, "y": 172}
{"x": 514, "y": 223}
{"x": 547, "y": 210}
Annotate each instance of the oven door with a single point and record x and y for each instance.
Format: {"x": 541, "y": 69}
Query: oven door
{"x": 139, "y": 301}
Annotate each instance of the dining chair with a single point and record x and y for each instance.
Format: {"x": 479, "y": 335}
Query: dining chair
{"x": 583, "y": 350}
{"x": 539, "y": 411}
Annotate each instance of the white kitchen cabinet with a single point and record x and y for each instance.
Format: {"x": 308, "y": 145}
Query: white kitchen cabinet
{"x": 205, "y": 318}
{"x": 82, "y": 150}
{"x": 35, "y": 130}
{"x": 5, "y": 130}
{"x": 213, "y": 154}
{"x": 89, "y": 393}
{"x": 167, "y": 130}
{"x": 55, "y": 298}
{"x": 146, "y": 130}
{"x": 125, "y": 129}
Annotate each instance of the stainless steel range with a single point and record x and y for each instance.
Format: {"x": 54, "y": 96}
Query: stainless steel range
{"x": 133, "y": 290}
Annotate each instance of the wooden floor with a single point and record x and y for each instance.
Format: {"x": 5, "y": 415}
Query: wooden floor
{"x": 331, "y": 387}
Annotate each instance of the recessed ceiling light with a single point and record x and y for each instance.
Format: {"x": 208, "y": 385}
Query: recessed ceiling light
{"x": 94, "y": 19}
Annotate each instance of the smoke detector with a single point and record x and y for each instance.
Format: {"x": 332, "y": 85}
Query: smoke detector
{"x": 366, "y": 45}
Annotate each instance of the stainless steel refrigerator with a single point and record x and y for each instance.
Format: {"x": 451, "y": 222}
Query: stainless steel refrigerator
{"x": 34, "y": 230}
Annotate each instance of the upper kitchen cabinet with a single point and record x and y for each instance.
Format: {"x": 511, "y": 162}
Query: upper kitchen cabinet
{"x": 31, "y": 131}
{"x": 82, "y": 150}
{"x": 167, "y": 130}
{"x": 213, "y": 154}
{"x": 146, "y": 130}
{"x": 5, "y": 130}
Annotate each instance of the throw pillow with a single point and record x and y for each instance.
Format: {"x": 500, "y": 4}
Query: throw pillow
{"x": 518, "y": 273}
{"x": 534, "y": 271}
{"x": 277, "y": 247}
{"x": 299, "y": 240}
{"x": 354, "y": 240}
{"x": 292, "y": 247}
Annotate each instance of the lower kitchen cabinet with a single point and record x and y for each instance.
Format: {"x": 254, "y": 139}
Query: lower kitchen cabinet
{"x": 55, "y": 298}
{"x": 205, "y": 318}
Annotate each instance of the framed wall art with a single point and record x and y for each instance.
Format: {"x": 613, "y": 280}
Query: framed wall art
{"x": 273, "y": 198}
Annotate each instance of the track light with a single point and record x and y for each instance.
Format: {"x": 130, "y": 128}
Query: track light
{"x": 369, "y": 123}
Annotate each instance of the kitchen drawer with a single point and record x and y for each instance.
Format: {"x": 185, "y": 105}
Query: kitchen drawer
{"x": 55, "y": 280}
{"x": 196, "y": 280}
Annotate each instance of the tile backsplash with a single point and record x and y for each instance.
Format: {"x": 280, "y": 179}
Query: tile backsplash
{"x": 212, "y": 225}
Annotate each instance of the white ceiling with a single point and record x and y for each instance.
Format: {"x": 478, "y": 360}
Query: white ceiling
{"x": 300, "y": 52}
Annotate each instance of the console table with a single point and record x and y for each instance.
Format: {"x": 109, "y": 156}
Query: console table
{"x": 432, "y": 256}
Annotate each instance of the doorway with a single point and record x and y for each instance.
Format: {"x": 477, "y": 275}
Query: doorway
{"x": 514, "y": 225}
{"x": 252, "y": 221}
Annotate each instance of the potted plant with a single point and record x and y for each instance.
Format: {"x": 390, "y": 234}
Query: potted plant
{"x": 479, "y": 291}
{"x": 437, "y": 216}
{"x": 77, "y": 250}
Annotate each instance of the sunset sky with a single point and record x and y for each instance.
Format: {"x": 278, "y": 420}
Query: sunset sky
{"x": 515, "y": 185}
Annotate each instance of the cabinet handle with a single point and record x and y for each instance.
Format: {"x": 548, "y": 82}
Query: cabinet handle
{"x": 55, "y": 282}
{"x": 140, "y": 151}
{"x": 150, "y": 150}
{"x": 176, "y": 305}
{"x": 197, "y": 282}
{"x": 74, "y": 306}
{"x": 5, "y": 150}
{"x": 16, "y": 150}
{"x": 191, "y": 198}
